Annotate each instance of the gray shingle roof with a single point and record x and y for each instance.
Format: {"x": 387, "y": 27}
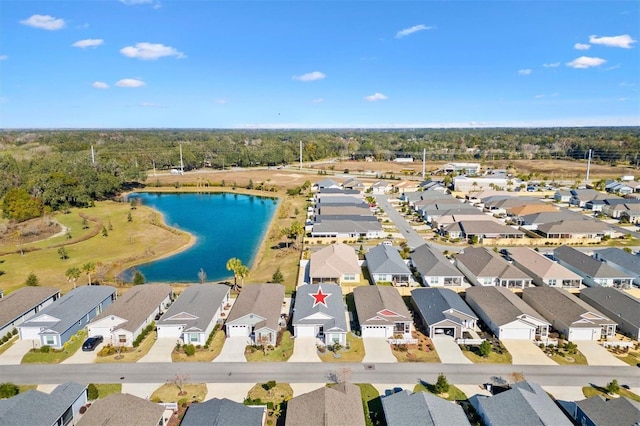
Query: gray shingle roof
{"x": 38, "y": 408}
{"x": 617, "y": 411}
{"x": 547, "y": 217}
{"x": 484, "y": 227}
{"x": 385, "y": 259}
{"x": 199, "y": 302}
{"x": 501, "y": 304}
{"x": 222, "y": 412}
{"x": 264, "y": 300}
{"x": 21, "y": 301}
{"x": 621, "y": 258}
{"x": 335, "y": 309}
{"x": 587, "y": 264}
{"x": 613, "y": 300}
{"x": 571, "y": 226}
{"x": 431, "y": 263}
{"x": 439, "y": 304}
{"x": 371, "y": 302}
{"x": 136, "y": 305}
{"x": 71, "y": 307}
{"x": 345, "y": 225}
{"x": 536, "y": 264}
{"x": 340, "y": 405}
{"x": 483, "y": 262}
{"x": 122, "y": 409}
{"x": 404, "y": 408}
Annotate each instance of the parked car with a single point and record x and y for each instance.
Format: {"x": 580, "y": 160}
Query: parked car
{"x": 91, "y": 343}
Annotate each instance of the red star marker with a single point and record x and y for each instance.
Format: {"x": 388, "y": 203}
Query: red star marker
{"x": 320, "y": 297}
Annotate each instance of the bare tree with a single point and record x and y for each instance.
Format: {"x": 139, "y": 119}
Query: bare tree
{"x": 180, "y": 380}
{"x": 342, "y": 375}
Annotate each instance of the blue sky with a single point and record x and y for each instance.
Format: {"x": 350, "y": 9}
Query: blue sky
{"x": 318, "y": 64}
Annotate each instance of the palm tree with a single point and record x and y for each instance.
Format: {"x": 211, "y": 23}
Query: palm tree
{"x": 73, "y": 274}
{"x": 296, "y": 230}
{"x": 89, "y": 268}
{"x": 243, "y": 272}
{"x": 234, "y": 264}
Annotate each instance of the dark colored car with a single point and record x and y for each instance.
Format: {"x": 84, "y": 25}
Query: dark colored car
{"x": 91, "y": 343}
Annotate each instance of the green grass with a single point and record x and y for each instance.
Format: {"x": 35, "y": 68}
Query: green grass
{"x": 26, "y": 388}
{"x": 631, "y": 358}
{"x": 8, "y": 344}
{"x": 133, "y": 354}
{"x": 578, "y": 359}
{"x": 169, "y": 392}
{"x": 54, "y": 356}
{"x": 372, "y": 404}
{"x": 355, "y": 353}
{"x": 106, "y": 389}
{"x": 590, "y": 391}
{"x": 280, "y": 353}
{"x": 203, "y": 354}
{"x": 493, "y": 358}
{"x": 454, "y": 394}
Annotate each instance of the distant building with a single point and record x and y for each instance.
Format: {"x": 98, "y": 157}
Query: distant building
{"x": 464, "y": 168}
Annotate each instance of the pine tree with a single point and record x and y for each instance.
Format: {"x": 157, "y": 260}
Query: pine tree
{"x": 442, "y": 385}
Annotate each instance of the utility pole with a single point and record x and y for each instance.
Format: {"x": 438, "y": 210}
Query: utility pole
{"x": 93, "y": 156}
{"x": 588, "y": 165}
{"x": 300, "y": 155}
{"x": 181, "y": 163}
{"x": 424, "y": 160}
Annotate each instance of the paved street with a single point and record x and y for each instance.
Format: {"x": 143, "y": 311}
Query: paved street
{"x": 411, "y": 235}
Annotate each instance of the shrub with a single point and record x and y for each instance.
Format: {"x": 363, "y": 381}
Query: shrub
{"x": 189, "y": 350}
{"x": 92, "y": 392}
{"x": 83, "y": 409}
{"x": 269, "y": 385}
{"x": 7, "y": 390}
{"x": 45, "y": 349}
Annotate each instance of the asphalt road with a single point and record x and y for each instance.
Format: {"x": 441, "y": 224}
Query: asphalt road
{"x": 391, "y": 373}
{"x": 411, "y": 235}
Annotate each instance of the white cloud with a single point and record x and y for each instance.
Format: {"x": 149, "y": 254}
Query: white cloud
{"x": 408, "y": 31}
{"x": 134, "y": 2}
{"x": 44, "y": 22}
{"x": 150, "y": 51}
{"x": 581, "y": 46}
{"x": 375, "y": 97}
{"x": 626, "y": 84}
{"x": 99, "y": 85}
{"x": 586, "y": 62}
{"x": 151, "y": 105}
{"x": 623, "y": 99}
{"x": 539, "y": 96}
{"x": 220, "y": 101}
{"x": 551, "y": 65}
{"x": 524, "y": 72}
{"x": 89, "y": 42}
{"x": 130, "y": 82}
{"x": 317, "y": 101}
{"x": 310, "y": 76}
{"x": 4, "y": 57}
{"x": 625, "y": 41}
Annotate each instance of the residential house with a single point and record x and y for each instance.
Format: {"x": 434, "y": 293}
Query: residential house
{"x": 462, "y": 168}
{"x": 621, "y": 307}
{"x": 597, "y": 411}
{"x": 593, "y": 271}
{"x": 574, "y": 229}
{"x": 618, "y": 188}
{"x": 325, "y": 183}
{"x": 631, "y": 214}
{"x": 224, "y": 412}
{"x": 562, "y": 196}
{"x": 432, "y": 185}
{"x": 466, "y": 184}
{"x": 405, "y": 186}
{"x": 518, "y": 212}
{"x": 532, "y": 221}
{"x": 193, "y": 315}
{"x": 434, "y": 268}
{"x": 54, "y": 325}
{"x": 481, "y": 230}
{"x": 620, "y": 260}
{"x": 506, "y": 315}
{"x": 543, "y": 270}
{"x": 22, "y": 304}
{"x": 432, "y": 213}
{"x": 568, "y": 315}
{"x": 123, "y": 409}
{"x": 320, "y": 312}
{"x": 405, "y": 407}
{"x": 353, "y": 183}
{"x": 337, "y": 263}
{"x": 337, "y": 405}
{"x": 580, "y": 197}
{"x": 614, "y": 207}
{"x": 256, "y": 313}
{"x": 482, "y": 266}
{"x": 526, "y": 403}
{"x": 501, "y": 204}
{"x": 381, "y": 312}
{"x": 60, "y": 407}
{"x": 385, "y": 265}
{"x": 347, "y": 227}
{"x": 329, "y": 210}
{"x": 381, "y": 187}
{"x": 125, "y": 319}
{"x": 442, "y": 311}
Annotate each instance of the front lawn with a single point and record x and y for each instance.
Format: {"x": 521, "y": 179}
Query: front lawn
{"x": 106, "y": 389}
{"x": 8, "y": 344}
{"x": 498, "y": 355}
{"x": 566, "y": 353}
{"x": 170, "y": 392}
{"x": 203, "y": 354}
{"x": 130, "y": 354}
{"x": 372, "y": 404}
{"x": 453, "y": 394}
{"x": 424, "y": 351}
{"x": 352, "y": 352}
{"x": 55, "y": 356}
{"x": 593, "y": 390}
{"x": 280, "y": 353}
{"x": 272, "y": 395}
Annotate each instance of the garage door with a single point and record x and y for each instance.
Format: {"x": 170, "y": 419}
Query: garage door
{"x": 448, "y": 331}
{"x": 169, "y": 331}
{"x": 237, "y": 330}
{"x": 374, "y": 331}
{"x": 99, "y": 331}
{"x": 305, "y": 331}
{"x": 515, "y": 333}
{"x": 581, "y": 334}
{"x": 29, "y": 333}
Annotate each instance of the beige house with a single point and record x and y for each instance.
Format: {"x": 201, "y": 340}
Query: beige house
{"x": 543, "y": 270}
{"x": 337, "y": 263}
{"x": 256, "y": 314}
{"x": 337, "y": 405}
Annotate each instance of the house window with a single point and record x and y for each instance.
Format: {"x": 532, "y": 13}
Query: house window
{"x": 349, "y": 277}
{"x": 194, "y": 337}
{"x": 552, "y": 282}
{"x": 433, "y": 280}
{"x": 486, "y": 281}
{"x": 49, "y": 340}
{"x": 122, "y": 338}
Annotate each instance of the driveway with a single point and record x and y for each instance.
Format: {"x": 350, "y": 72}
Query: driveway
{"x": 525, "y": 352}
{"x": 302, "y": 388}
{"x": 448, "y": 350}
{"x": 14, "y": 355}
{"x": 233, "y": 350}
{"x": 377, "y": 349}
{"x": 597, "y": 355}
{"x": 82, "y": 357}
{"x": 141, "y": 390}
{"x": 304, "y": 350}
{"x": 160, "y": 351}
{"x": 234, "y": 391}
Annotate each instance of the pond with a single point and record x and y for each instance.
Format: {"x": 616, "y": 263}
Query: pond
{"x": 225, "y": 225}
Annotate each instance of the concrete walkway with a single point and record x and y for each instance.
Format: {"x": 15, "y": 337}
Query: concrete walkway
{"x": 471, "y": 390}
{"x": 234, "y": 391}
{"x": 141, "y": 390}
{"x": 14, "y": 355}
{"x": 377, "y": 349}
{"x": 233, "y": 350}
{"x": 160, "y": 351}
{"x": 302, "y": 388}
{"x": 566, "y": 393}
{"x": 305, "y": 350}
{"x": 448, "y": 350}
{"x": 82, "y": 357}
{"x": 598, "y": 355}
{"x": 525, "y": 352}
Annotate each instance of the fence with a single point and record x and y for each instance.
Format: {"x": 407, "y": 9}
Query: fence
{"x": 470, "y": 342}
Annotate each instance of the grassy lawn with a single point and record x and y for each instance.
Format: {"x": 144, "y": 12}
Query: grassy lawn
{"x": 8, "y": 344}
{"x": 169, "y": 392}
{"x": 128, "y": 243}
{"x": 372, "y": 404}
{"x": 424, "y": 351}
{"x": 106, "y": 389}
{"x": 453, "y": 394}
{"x": 134, "y": 355}
{"x": 280, "y": 353}
{"x": 355, "y": 353}
{"x": 275, "y": 396}
{"x": 25, "y": 388}
{"x": 54, "y": 356}
{"x": 493, "y": 358}
{"x": 576, "y": 358}
{"x": 631, "y": 358}
{"x": 202, "y": 354}
{"x": 590, "y": 391}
